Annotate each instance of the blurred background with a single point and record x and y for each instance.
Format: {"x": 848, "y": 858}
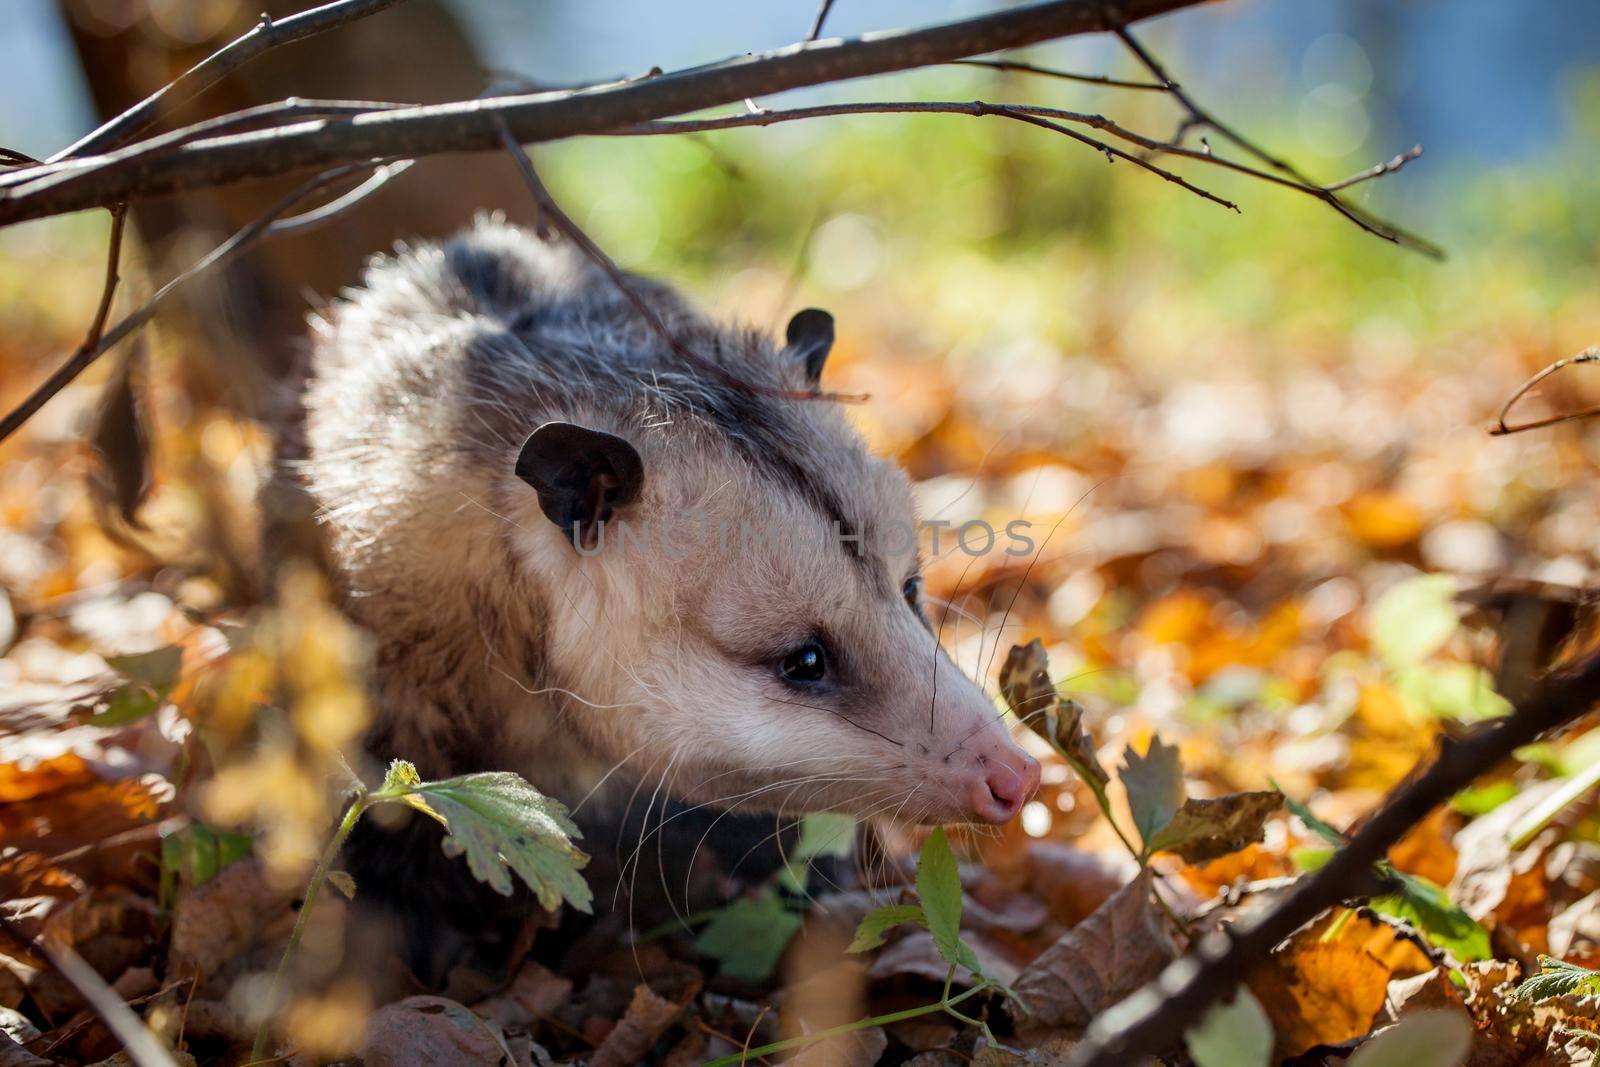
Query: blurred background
{"x": 1246, "y": 435}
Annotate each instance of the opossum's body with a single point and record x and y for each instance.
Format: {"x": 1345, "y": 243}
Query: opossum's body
{"x": 738, "y": 673}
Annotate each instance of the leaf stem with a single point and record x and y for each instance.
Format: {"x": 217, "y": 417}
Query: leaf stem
{"x": 258, "y": 1050}
{"x": 942, "y": 1004}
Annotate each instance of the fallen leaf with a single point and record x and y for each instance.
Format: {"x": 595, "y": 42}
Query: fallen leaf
{"x": 647, "y": 1018}
{"x": 1232, "y": 1033}
{"x": 1119, "y": 948}
{"x": 1427, "y": 1039}
{"x": 1319, "y": 992}
{"x": 1206, "y": 828}
{"x": 858, "y": 1048}
{"x": 423, "y": 1031}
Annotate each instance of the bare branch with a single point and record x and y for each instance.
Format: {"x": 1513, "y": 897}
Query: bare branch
{"x": 550, "y": 211}
{"x": 96, "y": 345}
{"x": 1499, "y": 429}
{"x": 1200, "y": 118}
{"x": 262, "y": 37}
{"x": 1051, "y": 72}
{"x": 473, "y": 125}
{"x": 1155, "y": 1018}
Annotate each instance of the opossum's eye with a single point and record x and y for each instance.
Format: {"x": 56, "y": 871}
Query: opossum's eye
{"x": 805, "y": 665}
{"x": 912, "y": 591}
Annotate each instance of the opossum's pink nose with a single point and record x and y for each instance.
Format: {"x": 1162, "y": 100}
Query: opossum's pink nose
{"x": 1006, "y": 779}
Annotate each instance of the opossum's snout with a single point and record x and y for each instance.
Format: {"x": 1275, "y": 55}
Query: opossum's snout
{"x": 1002, "y": 779}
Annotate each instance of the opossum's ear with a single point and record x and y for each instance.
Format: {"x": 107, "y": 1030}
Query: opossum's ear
{"x": 582, "y": 477}
{"x": 810, "y": 337}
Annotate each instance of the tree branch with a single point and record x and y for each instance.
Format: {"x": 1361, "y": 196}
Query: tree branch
{"x": 262, "y": 37}
{"x": 1500, "y": 429}
{"x": 96, "y": 345}
{"x": 1155, "y": 1018}
{"x": 474, "y": 125}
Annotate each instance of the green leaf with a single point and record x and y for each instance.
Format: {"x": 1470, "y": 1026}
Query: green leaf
{"x": 1154, "y": 783}
{"x": 196, "y": 853}
{"x": 748, "y": 936}
{"x": 825, "y": 833}
{"x": 1413, "y": 620}
{"x": 1236, "y": 1034}
{"x": 879, "y": 921}
{"x": 1311, "y": 859}
{"x": 157, "y": 669}
{"x": 152, "y": 675}
{"x": 1462, "y": 691}
{"x": 1430, "y": 909}
{"x": 1481, "y": 800}
{"x": 1558, "y": 978}
{"x": 939, "y": 888}
{"x": 1204, "y": 829}
{"x": 1426, "y": 1039}
{"x": 1314, "y": 824}
{"x": 499, "y": 820}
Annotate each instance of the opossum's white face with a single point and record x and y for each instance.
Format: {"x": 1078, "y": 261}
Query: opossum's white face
{"x": 727, "y": 641}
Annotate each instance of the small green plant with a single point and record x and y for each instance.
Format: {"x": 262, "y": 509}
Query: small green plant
{"x": 748, "y": 936}
{"x": 1558, "y": 978}
{"x": 496, "y": 820}
{"x": 1412, "y": 899}
{"x": 939, "y": 910}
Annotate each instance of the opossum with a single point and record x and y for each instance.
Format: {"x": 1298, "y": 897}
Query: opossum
{"x": 587, "y": 559}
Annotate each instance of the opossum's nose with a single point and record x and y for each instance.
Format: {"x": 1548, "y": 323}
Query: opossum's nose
{"x": 1004, "y": 779}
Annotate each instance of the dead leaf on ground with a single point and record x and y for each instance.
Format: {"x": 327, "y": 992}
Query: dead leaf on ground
{"x": 647, "y": 1018}
{"x": 1119, "y": 948}
{"x": 428, "y": 1031}
{"x": 1319, "y": 992}
{"x": 1205, "y": 828}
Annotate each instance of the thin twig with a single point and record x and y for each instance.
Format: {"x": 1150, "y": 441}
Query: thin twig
{"x": 1198, "y": 117}
{"x": 474, "y": 125}
{"x": 551, "y": 211}
{"x": 262, "y": 37}
{"x": 340, "y": 204}
{"x": 822, "y": 16}
{"x": 1376, "y": 171}
{"x": 90, "y": 349}
{"x": 1155, "y": 1018}
{"x": 137, "y": 1041}
{"x": 1499, "y": 429}
{"x": 97, "y": 345}
{"x": 1052, "y": 72}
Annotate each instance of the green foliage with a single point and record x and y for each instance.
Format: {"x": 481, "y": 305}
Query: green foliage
{"x": 879, "y": 921}
{"x": 1558, "y": 978}
{"x": 825, "y": 833}
{"x": 497, "y": 820}
{"x": 939, "y": 889}
{"x": 151, "y": 676}
{"x": 1426, "y": 1039}
{"x": 1413, "y": 620}
{"x": 748, "y": 936}
{"x": 1430, "y": 909}
{"x": 1154, "y": 783}
{"x": 1234, "y": 1033}
{"x": 1414, "y": 900}
{"x": 195, "y": 854}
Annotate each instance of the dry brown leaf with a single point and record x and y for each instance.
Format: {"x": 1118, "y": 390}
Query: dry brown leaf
{"x": 1025, "y": 684}
{"x": 214, "y": 923}
{"x": 534, "y": 994}
{"x": 859, "y": 1048}
{"x": 1072, "y": 882}
{"x": 1205, "y": 828}
{"x": 427, "y": 1031}
{"x": 1119, "y": 948}
{"x": 1319, "y": 992}
{"x": 647, "y": 1018}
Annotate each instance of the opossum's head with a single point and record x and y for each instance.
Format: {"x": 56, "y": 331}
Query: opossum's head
{"x": 737, "y": 605}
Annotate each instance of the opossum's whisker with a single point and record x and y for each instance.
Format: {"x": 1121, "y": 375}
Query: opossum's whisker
{"x": 949, "y": 606}
{"x": 842, "y": 716}
{"x": 604, "y": 777}
{"x": 1027, "y": 571}
{"x": 933, "y": 699}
